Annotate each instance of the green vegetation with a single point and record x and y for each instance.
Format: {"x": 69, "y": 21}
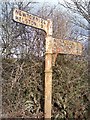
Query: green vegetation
{"x": 23, "y": 88}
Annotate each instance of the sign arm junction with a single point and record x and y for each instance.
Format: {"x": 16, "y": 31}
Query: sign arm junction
{"x": 52, "y": 44}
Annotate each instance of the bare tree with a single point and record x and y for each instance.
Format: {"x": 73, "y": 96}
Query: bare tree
{"x": 19, "y": 40}
{"x": 79, "y": 7}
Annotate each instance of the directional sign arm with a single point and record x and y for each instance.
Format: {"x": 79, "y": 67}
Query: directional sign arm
{"x": 29, "y": 19}
{"x": 67, "y": 47}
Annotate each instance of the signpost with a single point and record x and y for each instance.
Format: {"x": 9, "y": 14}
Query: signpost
{"x": 65, "y": 47}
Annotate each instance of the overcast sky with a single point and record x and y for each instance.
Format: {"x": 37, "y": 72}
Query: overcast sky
{"x": 42, "y": 1}
{"x": 52, "y": 1}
